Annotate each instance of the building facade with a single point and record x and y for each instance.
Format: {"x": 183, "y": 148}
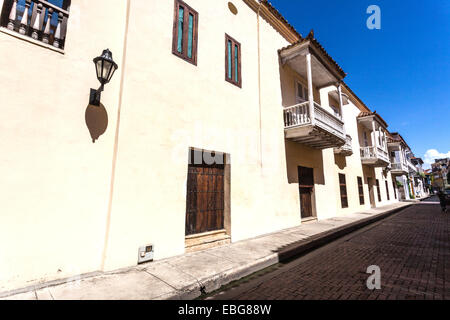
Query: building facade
{"x": 222, "y": 123}
{"x": 440, "y": 174}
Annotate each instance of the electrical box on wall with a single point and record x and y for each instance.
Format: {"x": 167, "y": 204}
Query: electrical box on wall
{"x": 146, "y": 253}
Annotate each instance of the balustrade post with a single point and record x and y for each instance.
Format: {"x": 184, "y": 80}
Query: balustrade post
{"x": 24, "y": 22}
{"x": 57, "y": 41}
{"x": 46, "y": 36}
{"x": 12, "y": 16}
{"x": 37, "y": 23}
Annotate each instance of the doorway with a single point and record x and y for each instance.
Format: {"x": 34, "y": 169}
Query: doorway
{"x": 306, "y": 189}
{"x": 205, "y": 203}
{"x": 371, "y": 192}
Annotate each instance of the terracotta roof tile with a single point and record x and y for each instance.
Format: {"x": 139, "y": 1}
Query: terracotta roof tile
{"x": 368, "y": 114}
{"x": 310, "y": 37}
{"x": 280, "y": 17}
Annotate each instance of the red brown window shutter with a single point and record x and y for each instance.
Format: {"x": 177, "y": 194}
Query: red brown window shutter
{"x": 233, "y": 72}
{"x": 185, "y": 40}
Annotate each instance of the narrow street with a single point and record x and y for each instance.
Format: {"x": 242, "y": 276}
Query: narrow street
{"x": 412, "y": 249}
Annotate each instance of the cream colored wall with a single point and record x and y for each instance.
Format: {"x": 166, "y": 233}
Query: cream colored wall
{"x": 55, "y": 181}
{"x": 351, "y": 166}
{"x": 289, "y": 78}
{"x": 382, "y": 177}
{"x": 170, "y": 105}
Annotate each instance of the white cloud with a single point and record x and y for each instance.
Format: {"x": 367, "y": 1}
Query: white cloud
{"x": 432, "y": 155}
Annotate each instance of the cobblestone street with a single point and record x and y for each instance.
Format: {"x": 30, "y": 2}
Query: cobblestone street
{"x": 412, "y": 249}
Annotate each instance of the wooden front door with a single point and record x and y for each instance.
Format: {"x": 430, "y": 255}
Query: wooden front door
{"x": 306, "y": 186}
{"x": 205, "y": 198}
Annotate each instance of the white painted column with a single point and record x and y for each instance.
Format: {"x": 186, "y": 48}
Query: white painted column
{"x": 341, "y": 105}
{"x": 310, "y": 88}
{"x": 401, "y": 158}
{"x": 374, "y": 139}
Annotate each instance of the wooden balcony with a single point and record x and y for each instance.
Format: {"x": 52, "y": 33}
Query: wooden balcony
{"x": 374, "y": 157}
{"x": 347, "y": 149}
{"x": 37, "y": 20}
{"x": 399, "y": 169}
{"x": 318, "y": 129}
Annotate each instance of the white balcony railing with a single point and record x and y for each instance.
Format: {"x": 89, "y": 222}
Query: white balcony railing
{"x": 299, "y": 115}
{"x": 374, "y": 153}
{"x": 412, "y": 167}
{"x": 400, "y": 167}
{"x": 39, "y": 20}
{"x": 347, "y": 148}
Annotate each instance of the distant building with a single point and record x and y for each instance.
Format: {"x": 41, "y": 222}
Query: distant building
{"x": 440, "y": 174}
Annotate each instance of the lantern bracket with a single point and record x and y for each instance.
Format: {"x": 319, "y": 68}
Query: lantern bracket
{"x": 95, "y": 95}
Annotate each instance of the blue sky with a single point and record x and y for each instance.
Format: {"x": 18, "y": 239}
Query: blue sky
{"x": 402, "y": 71}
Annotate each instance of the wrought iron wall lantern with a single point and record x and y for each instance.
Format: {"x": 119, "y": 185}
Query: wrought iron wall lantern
{"x": 105, "y": 68}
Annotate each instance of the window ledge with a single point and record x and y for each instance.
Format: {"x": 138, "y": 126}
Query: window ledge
{"x": 31, "y": 40}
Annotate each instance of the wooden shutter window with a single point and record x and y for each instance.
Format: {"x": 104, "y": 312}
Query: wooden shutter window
{"x": 185, "y": 32}
{"x": 361, "y": 191}
{"x": 378, "y": 190}
{"x": 233, "y": 61}
{"x": 343, "y": 187}
{"x": 387, "y": 190}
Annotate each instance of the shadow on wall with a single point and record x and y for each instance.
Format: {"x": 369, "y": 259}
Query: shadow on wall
{"x": 340, "y": 161}
{"x": 96, "y": 120}
{"x": 300, "y": 155}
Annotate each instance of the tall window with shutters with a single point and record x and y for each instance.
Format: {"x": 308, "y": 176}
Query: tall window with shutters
{"x": 233, "y": 61}
{"x": 185, "y": 32}
{"x": 387, "y": 190}
{"x": 361, "y": 191}
{"x": 343, "y": 187}
{"x": 378, "y": 190}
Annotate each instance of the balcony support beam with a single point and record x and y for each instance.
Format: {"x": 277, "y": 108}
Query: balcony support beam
{"x": 310, "y": 88}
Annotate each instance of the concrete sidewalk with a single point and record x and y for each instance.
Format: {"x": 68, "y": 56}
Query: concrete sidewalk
{"x": 190, "y": 275}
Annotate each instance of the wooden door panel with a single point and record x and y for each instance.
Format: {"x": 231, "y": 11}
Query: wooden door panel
{"x": 205, "y": 199}
{"x": 306, "y": 202}
{"x": 306, "y": 187}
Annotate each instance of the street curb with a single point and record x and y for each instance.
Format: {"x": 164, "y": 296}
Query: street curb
{"x": 303, "y": 246}
{"x": 215, "y": 282}
{"x": 287, "y": 253}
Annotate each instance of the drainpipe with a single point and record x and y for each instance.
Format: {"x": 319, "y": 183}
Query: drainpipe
{"x": 259, "y": 86}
